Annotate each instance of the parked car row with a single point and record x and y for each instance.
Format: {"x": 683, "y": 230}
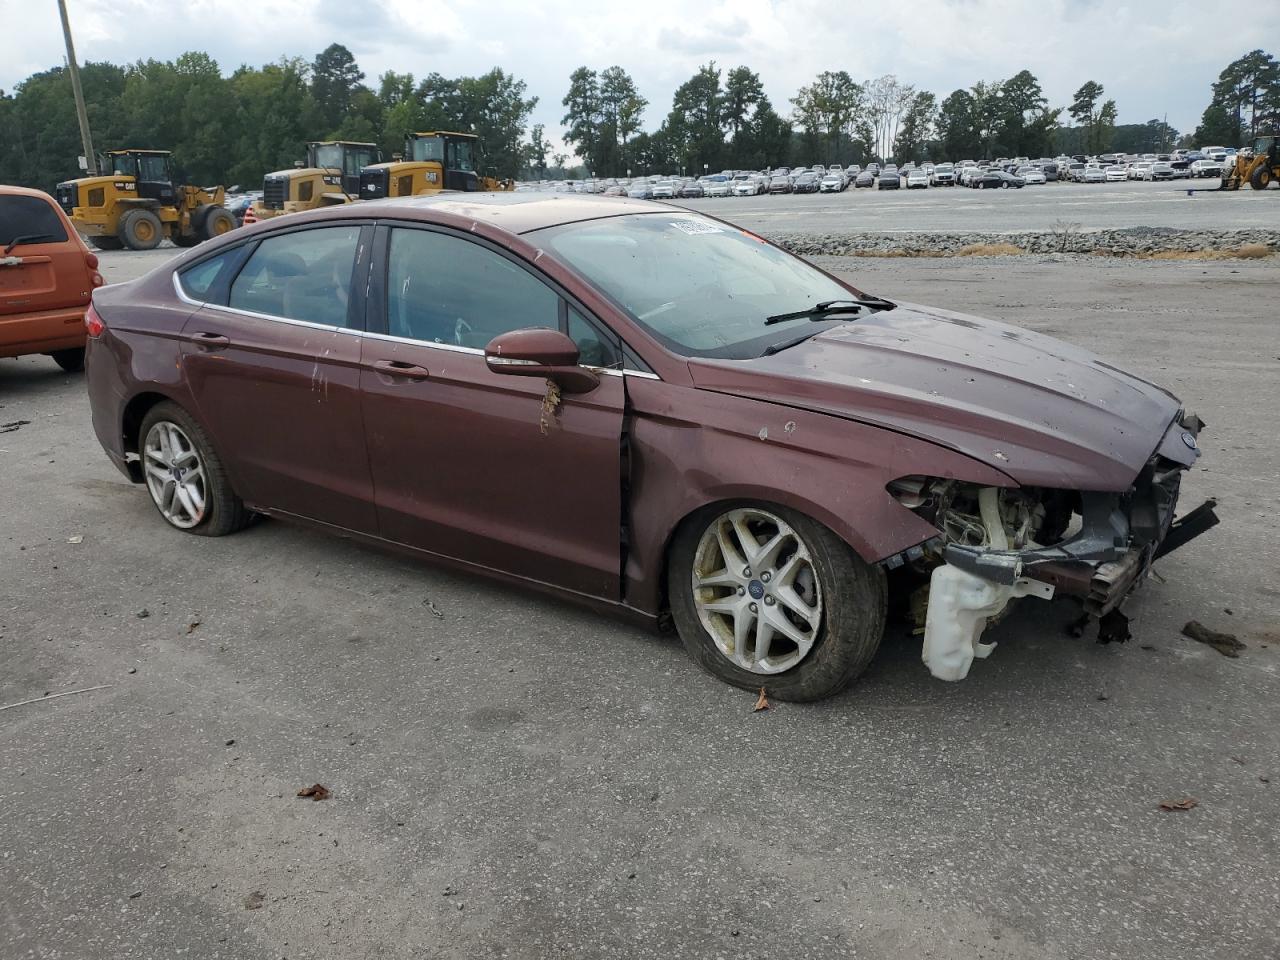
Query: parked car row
{"x": 1001, "y": 172}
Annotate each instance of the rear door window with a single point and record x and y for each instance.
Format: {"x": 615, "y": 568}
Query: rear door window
{"x": 23, "y": 216}
{"x": 197, "y": 282}
{"x": 304, "y": 275}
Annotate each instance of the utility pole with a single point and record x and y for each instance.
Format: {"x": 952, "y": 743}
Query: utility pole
{"x": 91, "y": 161}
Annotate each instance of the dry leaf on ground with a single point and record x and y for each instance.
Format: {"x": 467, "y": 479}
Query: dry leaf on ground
{"x": 1186, "y": 803}
{"x": 316, "y": 792}
{"x": 762, "y": 703}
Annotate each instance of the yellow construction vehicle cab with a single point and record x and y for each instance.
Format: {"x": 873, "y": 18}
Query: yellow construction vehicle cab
{"x": 330, "y": 175}
{"x": 138, "y": 204}
{"x": 1258, "y": 167}
{"x": 433, "y": 161}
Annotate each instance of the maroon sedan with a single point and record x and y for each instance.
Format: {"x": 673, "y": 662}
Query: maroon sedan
{"x": 645, "y": 408}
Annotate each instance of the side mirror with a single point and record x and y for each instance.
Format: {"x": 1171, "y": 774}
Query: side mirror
{"x": 539, "y": 352}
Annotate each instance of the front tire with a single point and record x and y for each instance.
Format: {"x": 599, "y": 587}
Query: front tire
{"x": 216, "y": 221}
{"x": 1261, "y": 178}
{"x": 141, "y": 230}
{"x": 185, "y": 476}
{"x": 763, "y": 596}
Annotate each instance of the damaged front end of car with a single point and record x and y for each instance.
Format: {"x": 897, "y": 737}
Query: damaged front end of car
{"x": 998, "y": 543}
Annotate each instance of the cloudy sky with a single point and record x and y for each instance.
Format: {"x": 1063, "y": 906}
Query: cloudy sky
{"x": 1153, "y": 56}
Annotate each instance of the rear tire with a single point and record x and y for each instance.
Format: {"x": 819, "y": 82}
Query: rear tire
{"x": 185, "y": 240}
{"x": 170, "y": 437}
{"x": 849, "y": 597}
{"x": 106, "y": 243}
{"x": 71, "y": 360}
{"x": 141, "y": 230}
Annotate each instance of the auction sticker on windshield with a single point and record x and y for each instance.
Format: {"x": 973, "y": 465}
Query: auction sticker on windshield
{"x": 695, "y": 227}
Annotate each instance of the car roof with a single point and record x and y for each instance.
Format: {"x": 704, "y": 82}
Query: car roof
{"x": 11, "y": 191}
{"x": 510, "y": 211}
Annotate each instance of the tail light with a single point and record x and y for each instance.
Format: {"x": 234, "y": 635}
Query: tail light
{"x": 93, "y": 324}
{"x": 95, "y": 278}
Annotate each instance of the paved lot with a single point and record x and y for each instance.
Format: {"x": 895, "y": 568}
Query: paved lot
{"x": 519, "y": 778}
{"x": 958, "y": 209}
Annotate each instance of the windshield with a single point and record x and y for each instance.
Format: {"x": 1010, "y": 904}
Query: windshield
{"x": 328, "y": 156}
{"x": 702, "y": 288}
{"x": 124, "y": 165}
{"x": 427, "y": 149}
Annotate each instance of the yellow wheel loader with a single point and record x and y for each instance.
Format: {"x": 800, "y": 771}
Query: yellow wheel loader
{"x": 330, "y": 175}
{"x": 138, "y": 204}
{"x": 1259, "y": 167}
{"x": 433, "y": 161}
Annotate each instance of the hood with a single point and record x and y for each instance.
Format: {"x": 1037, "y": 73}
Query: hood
{"x": 1041, "y": 411}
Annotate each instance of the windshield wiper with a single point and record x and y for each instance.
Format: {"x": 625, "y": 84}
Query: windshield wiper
{"x": 826, "y": 308}
{"x": 781, "y": 345}
{"x": 27, "y": 238}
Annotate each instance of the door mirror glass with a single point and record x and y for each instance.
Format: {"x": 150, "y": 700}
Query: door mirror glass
{"x": 538, "y": 352}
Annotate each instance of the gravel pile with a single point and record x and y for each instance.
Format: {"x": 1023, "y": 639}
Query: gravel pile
{"x": 1130, "y": 242}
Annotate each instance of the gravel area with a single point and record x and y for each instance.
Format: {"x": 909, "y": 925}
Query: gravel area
{"x": 1135, "y": 241}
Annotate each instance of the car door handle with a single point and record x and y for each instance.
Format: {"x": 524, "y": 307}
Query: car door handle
{"x": 211, "y": 341}
{"x": 401, "y": 369}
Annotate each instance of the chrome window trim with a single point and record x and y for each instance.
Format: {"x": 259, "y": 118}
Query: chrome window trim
{"x": 261, "y": 316}
{"x": 455, "y": 348}
{"x": 475, "y": 351}
{"x": 182, "y": 294}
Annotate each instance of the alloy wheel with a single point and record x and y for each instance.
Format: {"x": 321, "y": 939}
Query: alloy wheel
{"x": 175, "y": 474}
{"x": 756, "y": 590}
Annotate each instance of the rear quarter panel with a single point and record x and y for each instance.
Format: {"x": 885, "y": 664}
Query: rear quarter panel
{"x": 139, "y": 353}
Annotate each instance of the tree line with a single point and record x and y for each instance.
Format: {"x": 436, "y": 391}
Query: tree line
{"x": 233, "y": 129}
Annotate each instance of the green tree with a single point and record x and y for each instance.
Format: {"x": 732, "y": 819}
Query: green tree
{"x": 621, "y": 107}
{"x": 827, "y": 111}
{"x": 1105, "y": 127}
{"x": 536, "y": 152}
{"x": 1154, "y": 136}
{"x": 1249, "y": 90}
{"x": 1025, "y": 121}
{"x": 335, "y": 79}
{"x": 695, "y": 125}
{"x": 582, "y": 116}
{"x": 743, "y": 92}
{"x": 1096, "y": 119}
{"x": 763, "y": 140}
{"x": 916, "y": 130}
{"x": 956, "y": 129}
{"x": 39, "y": 134}
{"x": 1218, "y": 125}
{"x": 493, "y": 106}
{"x": 275, "y": 116}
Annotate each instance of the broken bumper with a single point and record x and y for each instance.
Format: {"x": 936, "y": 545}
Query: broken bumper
{"x": 1120, "y": 536}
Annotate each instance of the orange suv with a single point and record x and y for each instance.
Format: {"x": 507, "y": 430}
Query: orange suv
{"x": 47, "y": 275}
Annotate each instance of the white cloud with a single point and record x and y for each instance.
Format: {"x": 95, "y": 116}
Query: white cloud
{"x": 1152, "y": 56}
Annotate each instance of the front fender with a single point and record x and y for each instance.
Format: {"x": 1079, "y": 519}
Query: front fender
{"x": 690, "y": 448}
